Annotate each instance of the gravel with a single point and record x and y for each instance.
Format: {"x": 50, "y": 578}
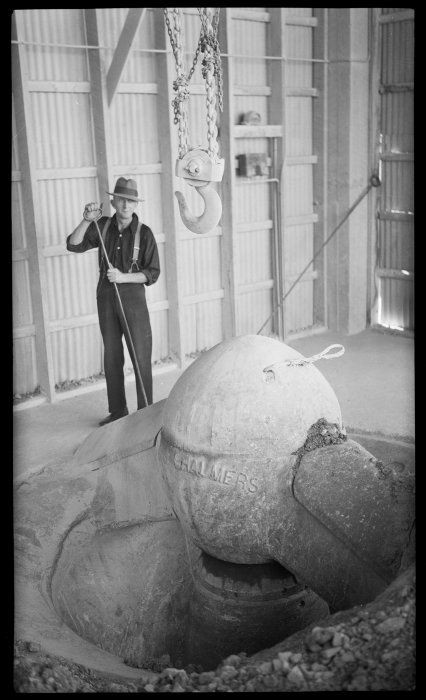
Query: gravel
{"x": 369, "y": 647}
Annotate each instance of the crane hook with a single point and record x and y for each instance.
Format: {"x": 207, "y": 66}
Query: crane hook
{"x": 207, "y": 221}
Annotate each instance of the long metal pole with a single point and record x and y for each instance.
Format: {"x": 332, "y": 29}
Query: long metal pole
{"x": 169, "y": 51}
{"x": 126, "y": 325}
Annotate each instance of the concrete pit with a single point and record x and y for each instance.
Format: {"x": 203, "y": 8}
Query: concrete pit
{"x": 248, "y": 561}
{"x": 132, "y": 592}
{"x": 99, "y": 548}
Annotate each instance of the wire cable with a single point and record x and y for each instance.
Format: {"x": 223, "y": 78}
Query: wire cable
{"x": 374, "y": 182}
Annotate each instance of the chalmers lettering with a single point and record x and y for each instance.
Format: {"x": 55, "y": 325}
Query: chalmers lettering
{"x": 177, "y": 459}
{"x": 253, "y": 485}
{"x": 242, "y": 479}
{"x": 193, "y": 465}
{"x": 214, "y": 470}
{"x": 200, "y": 463}
{"x": 203, "y": 467}
{"x": 228, "y": 475}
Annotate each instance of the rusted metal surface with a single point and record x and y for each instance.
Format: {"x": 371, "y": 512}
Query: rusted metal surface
{"x": 356, "y": 515}
{"x": 245, "y": 608}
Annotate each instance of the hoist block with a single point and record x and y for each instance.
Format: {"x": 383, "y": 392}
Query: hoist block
{"x": 198, "y": 165}
{"x": 249, "y": 480}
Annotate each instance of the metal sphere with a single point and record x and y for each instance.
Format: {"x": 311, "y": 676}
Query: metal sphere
{"x": 231, "y": 428}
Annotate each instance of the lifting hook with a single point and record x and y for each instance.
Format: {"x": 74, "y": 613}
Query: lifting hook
{"x": 212, "y": 210}
{"x": 199, "y": 169}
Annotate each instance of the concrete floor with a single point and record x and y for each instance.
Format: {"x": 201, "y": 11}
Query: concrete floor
{"x": 373, "y": 381}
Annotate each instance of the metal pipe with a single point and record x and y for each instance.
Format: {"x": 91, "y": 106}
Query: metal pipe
{"x": 277, "y": 218}
{"x": 84, "y": 46}
{"x": 276, "y": 58}
{"x": 277, "y": 235}
{"x": 167, "y": 51}
{"x": 257, "y": 181}
{"x": 126, "y": 325}
{"x": 325, "y": 169}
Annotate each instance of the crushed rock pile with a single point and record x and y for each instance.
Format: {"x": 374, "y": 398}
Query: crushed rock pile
{"x": 369, "y": 647}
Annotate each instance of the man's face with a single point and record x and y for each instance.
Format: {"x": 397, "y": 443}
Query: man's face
{"x": 124, "y": 207}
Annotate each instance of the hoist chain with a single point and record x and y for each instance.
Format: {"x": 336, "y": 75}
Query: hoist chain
{"x": 211, "y": 69}
{"x": 209, "y": 39}
{"x": 181, "y": 84}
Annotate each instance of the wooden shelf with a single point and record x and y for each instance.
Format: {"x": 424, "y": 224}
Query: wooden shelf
{"x": 241, "y": 131}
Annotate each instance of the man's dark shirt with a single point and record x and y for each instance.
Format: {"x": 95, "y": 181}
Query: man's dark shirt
{"x": 119, "y": 247}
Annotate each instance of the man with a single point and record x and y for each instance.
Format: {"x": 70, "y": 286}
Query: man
{"x": 132, "y": 270}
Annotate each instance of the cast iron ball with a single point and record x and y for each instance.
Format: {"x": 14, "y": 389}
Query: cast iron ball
{"x": 229, "y": 440}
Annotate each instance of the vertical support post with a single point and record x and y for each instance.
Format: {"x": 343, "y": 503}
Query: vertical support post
{"x": 359, "y": 173}
{"x": 228, "y": 189}
{"x": 320, "y": 173}
{"x": 277, "y": 115}
{"x": 374, "y": 148}
{"x": 26, "y": 146}
{"x": 349, "y": 163}
{"x": 168, "y": 154}
{"x": 100, "y": 111}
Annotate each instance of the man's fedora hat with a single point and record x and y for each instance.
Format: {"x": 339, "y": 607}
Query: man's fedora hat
{"x": 126, "y": 188}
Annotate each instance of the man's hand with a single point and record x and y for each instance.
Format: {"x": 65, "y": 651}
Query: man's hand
{"x": 115, "y": 275}
{"x": 92, "y": 211}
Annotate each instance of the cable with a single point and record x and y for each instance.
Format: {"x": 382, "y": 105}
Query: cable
{"x": 374, "y": 182}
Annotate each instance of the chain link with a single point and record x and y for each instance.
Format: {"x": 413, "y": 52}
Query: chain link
{"x": 212, "y": 73}
{"x": 195, "y": 60}
{"x": 211, "y": 69}
{"x": 180, "y": 85}
{"x": 209, "y": 39}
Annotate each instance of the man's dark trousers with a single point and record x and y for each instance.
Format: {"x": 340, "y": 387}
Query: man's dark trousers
{"x": 112, "y": 328}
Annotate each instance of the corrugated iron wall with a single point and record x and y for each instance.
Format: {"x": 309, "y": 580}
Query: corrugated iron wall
{"x": 24, "y": 368}
{"x": 253, "y": 216}
{"x": 66, "y": 178}
{"x": 395, "y": 245}
{"x": 66, "y": 174}
{"x": 298, "y": 174}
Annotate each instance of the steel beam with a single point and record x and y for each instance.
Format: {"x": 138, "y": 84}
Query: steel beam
{"x": 227, "y": 190}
